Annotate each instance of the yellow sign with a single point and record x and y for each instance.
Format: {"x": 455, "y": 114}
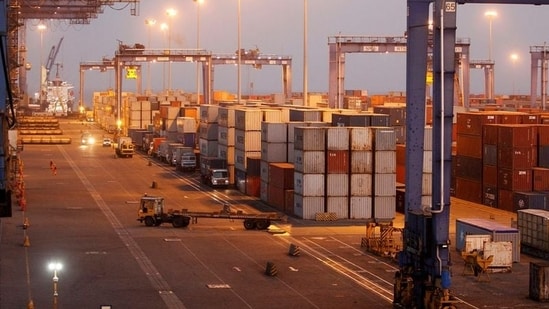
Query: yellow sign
{"x": 429, "y": 78}
{"x": 131, "y": 73}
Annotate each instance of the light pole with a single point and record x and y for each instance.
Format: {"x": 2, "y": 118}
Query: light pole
{"x": 171, "y": 13}
{"x": 514, "y": 58}
{"x": 239, "y": 61}
{"x": 55, "y": 267}
{"x": 164, "y": 27}
{"x": 305, "y": 73}
{"x": 198, "y": 4}
{"x": 41, "y": 28}
{"x": 491, "y": 15}
{"x": 150, "y": 22}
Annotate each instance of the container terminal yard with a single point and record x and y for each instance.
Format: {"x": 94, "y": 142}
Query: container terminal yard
{"x": 321, "y": 200}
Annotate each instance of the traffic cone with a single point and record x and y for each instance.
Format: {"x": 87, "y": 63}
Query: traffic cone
{"x": 26, "y": 223}
{"x": 30, "y": 305}
{"x": 271, "y": 270}
{"x": 294, "y": 250}
{"x": 26, "y": 243}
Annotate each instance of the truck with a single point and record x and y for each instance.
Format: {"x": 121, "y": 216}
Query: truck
{"x": 152, "y": 212}
{"x": 154, "y": 146}
{"x": 184, "y": 158}
{"x": 124, "y": 147}
{"x": 214, "y": 172}
{"x": 137, "y": 136}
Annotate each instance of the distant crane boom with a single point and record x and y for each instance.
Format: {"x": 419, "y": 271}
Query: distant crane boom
{"x": 51, "y": 58}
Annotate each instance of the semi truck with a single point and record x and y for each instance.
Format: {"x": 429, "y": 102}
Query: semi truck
{"x": 214, "y": 172}
{"x": 184, "y": 159}
{"x": 124, "y": 147}
{"x": 152, "y": 212}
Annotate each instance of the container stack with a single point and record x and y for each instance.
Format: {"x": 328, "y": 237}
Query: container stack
{"x": 274, "y": 149}
{"x": 533, "y": 225}
{"x": 226, "y": 138}
{"x": 247, "y": 140}
{"x": 309, "y": 172}
{"x": 361, "y": 168}
{"x": 208, "y": 130}
{"x": 186, "y": 129}
{"x": 397, "y": 120}
{"x": 337, "y": 171}
{"x": 384, "y": 184}
{"x": 490, "y": 166}
{"x": 280, "y": 187}
{"x": 168, "y": 114}
{"x": 140, "y": 112}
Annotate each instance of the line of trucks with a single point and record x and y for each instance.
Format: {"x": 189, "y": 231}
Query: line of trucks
{"x": 213, "y": 170}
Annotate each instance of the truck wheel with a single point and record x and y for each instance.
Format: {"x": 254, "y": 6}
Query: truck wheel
{"x": 149, "y": 221}
{"x": 157, "y": 222}
{"x": 186, "y": 221}
{"x": 262, "y": 224}
{"x": 177, "y": 222}
{"x": 249, "y": 224}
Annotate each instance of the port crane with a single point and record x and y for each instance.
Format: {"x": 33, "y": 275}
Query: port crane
{"x": 423, "y": 279}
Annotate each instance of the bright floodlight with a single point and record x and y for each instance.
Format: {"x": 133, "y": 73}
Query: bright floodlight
{"x": 55, "y": 266}
{"x": 491, "y": 14}
{"x": 171, "y": 12}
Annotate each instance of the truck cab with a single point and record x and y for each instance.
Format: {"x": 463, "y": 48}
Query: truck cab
{"x": 217, "y": 178}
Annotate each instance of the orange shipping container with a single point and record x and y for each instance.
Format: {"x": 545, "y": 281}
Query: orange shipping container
{"x": 541, "y": 178}
{"x": 337, "y": 161}
{"x": 277, "y": 197}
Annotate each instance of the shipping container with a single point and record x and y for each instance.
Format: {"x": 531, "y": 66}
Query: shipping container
{"x": 338, "y": 205}
{"x": 274, "y": 132}
{"x": 384, "y": 184}
{"x": 490, "y": 154}
{"x": 272, "y": 115}
{"x": 281, "y": 175}
{"x": 533, "y": 225}
{"x": 541, "y": 178}
{"x": 469, "y": 190}
{"x": 490, "y": 195}
{"x": 361, "y": 184}
{"x": 337, "y": 184}
{"x": 529, "y": 200}
{"x": 274, "y": 152}
{"x": 208, "y": 131}
{"x": 490, "y": 134}
{"x": 472, "y": 122}
{"x": 498, "y": 232}
{"x": 543, "y": 134}
{"x": 337, "y": 138}
{"x": 186, "y": 125}
{"x": 361, "y": 139}
{"x": 515, "y": 180}
{"x": 208, "y": 113}
{"x": 305, "y": 115}
{"x": 350, "y": 120}
{"x": 247, "y": 140}
{"x": 253, "y": 186}
{"x": 469, "y": 145}
{"x": 468, "y": 167}
{"x": 384, "y": 138}
{"x": 379, "y": 120}
{"x": 490, "y": 175}
{"x": 539, "y": 281}
{"x": 360, "y": 207}
{"x": 208, "y": 148}
{"x": 309, "y": 184}
{"x": 307, "y": 207}
{"x": 276, "y": 197}
{"x": 385, "y": 161}
{"x": 226, "y": 116}
{"x": 253, "y": 166}
{"x": 226, "y": 152}
{"x": 517, "y": 135}
{"x": 310, "y": 138}
{"x": 240, "y": 158}
{"x": 291, "y": 129}
{"x": 264, "y": 191}
{"x": 384, "y": 208}
{"x": 248, "y": 119}
{"x": 517, "y": 158}
{"x": 543, "y": 156}
{"x": 310, "y": 161}
{"x": 226, "y": 136}
{"x": 337, "y": 161}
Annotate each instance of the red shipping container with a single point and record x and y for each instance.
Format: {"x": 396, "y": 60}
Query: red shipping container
{"x": 530, "y": 119}
{"x": 543, "y": 134}
{"x": 253, "y": 186}
{"x": 469, "y": 190}
{"x": 510, "y": 117}
{"x": 505, "y": 200}
{"x": 515, "y": 180}
{"x": 541, "y": 178}
{"x": 517, "y": 135}
{"x": 337, "y": 161}
{"x": 281, "y": 175}
{"x": 490, "y": 175}
{"x": 276, "y": 197}
{"x": 289, "y": 202}
{"x": 517, "y": 158}
{"x": 471, "y": 123}
{"x": 469, "y": 145}
{"x": 490, "y": 134}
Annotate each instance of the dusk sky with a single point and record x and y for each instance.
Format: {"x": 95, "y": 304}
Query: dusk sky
{"x": 276, "y": 27}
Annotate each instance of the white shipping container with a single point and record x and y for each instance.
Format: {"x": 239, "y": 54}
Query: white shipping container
{"x": 145, "y": 105}
{"x": 226, "y": 152}
{"x": 209, "y": 113}
{"x": 208, "y": 131}
{"x": 384, "y": 138}
{"x": 291, "y": 129}
{"x": 272, "y": 115}
{"x": 310, "y": 138}
{"x": 338, "y": 205}
{"x": 274, "y": 152}
{"x": 226, "y": 116}
{"x": 240, "y": 156}
{"x": 427, "y": 184}
{"x": 247, "y": 140}
{"x": 360, "y": 207}
{"x": 361, "y": 184}
{"x": 264, "y": 191}
{"x": 384, "y": 208}
{"x": 309, "y": 184}
{"x": 173, "y": 112}
{"x": 274, "y": 132}
{"x": 248, "y": 119}
{"x": 385, "y": 184}
{"x": 337, "y": 185}
{"x": 310, "y": 161}
{"x": 428, "y": 161}
{"x": 362, "y": 161}
{"x": 226, "y": 135}
{"x": 171, "y": 124}
{"x": 208, "y": 148}
{"x": 291, "y": 153}
{"x": 385, "y": 161}
{"x": 428, "y": 139}
{"x": 135, "y": 106}
{"x": 306, "y": 207}
{"x": 361, "y": 138}
{"x": 264, "y": 170}
{"x": 337, "y": 138}
{"x": 186, "y": 125}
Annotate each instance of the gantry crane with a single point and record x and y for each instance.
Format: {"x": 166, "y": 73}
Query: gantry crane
{"x": 423, "y": 279}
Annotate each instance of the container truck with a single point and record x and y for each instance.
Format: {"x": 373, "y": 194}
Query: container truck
{"x": 124, "y": 147}
{"x": 214, "y": 172}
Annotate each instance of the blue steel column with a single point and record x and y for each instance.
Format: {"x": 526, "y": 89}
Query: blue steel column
{"x": 443, "y": 102}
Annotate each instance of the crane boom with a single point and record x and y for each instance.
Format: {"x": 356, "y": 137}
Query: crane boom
{"x": 51, "y": 58}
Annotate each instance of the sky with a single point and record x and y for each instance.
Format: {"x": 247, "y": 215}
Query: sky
{"x": 277, "y": 27}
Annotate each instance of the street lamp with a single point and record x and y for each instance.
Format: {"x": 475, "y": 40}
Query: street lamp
{"x": 150, "y": 22}
{"x": 305, "y": 73}
{"x": 55, "y": 267}
{"x": 41, "y": 28}
{"x": 198, "y": 4}
{"x": 171, "y": 13}
{"x": 491, "y": 15}
{"x": 164, "y": 27}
